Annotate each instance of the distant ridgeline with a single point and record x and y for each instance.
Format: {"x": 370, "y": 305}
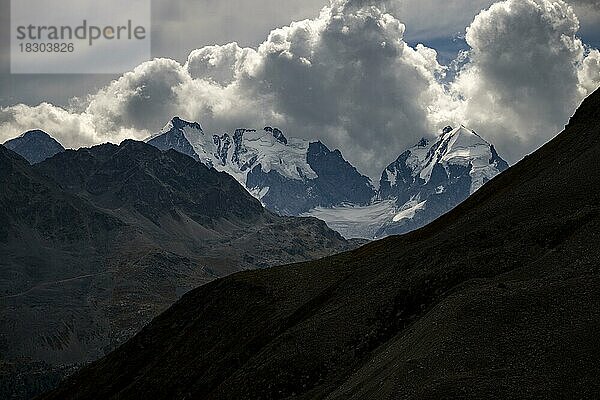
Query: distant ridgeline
{"x": 95, "y": 243}
{"x": 299, "y": 177}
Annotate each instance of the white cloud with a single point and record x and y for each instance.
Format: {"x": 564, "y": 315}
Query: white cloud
{"x": 349, "y": 78}
{"x": 526, "y": 74}
{"x": 72, "y": 129}
{"x": 589, "y": 14}
{"x": 589, "y": 72}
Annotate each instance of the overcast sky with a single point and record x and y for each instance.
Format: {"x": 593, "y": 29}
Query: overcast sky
{"x": 367, "y": 76}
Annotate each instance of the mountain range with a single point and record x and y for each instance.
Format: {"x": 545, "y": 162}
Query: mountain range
{"x": 289, "y": 176}
{"x": 498, "y": 298}
{"x": 96, "y": 242}
{"x": 299, "y": 177}
{"x": 107, "y": 237}
{"x": 426, "y": 181}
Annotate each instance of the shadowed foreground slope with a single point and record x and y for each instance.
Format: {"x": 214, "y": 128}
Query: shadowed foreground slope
{"x": 499, "y": 298}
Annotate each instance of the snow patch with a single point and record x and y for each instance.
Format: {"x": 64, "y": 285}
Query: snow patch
{"x": 409, "y": 210}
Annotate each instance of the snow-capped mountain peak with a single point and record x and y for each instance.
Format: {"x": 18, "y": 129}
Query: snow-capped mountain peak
{"x": 176, "y": 124}
{"x": 454, "y": 149}
{"x": 179, "y": 135}
{"x": 424, "y": 182}
{"x": 268, "y": 148}
{"x": 290, "y": 175}
{"x": 465, "y": 148}
{"x": 240, "y": 153}
{"x": 440, "y": 174}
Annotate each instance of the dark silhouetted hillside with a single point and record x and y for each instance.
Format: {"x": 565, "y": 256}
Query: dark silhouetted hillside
{"x": 500, "y": 298}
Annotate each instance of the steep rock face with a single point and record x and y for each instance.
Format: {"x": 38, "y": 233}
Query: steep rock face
{"x": 289, "y": 175}
{"x": 498, "y": 298}
{"x": 337, "y": 182}
{"x": 35, "y": 146}
{"x": 94, "y": 243}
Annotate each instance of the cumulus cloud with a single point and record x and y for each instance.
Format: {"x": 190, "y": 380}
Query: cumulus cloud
{"x": 72, "y": 129}
{"x": 527, "y": 72}
{"x": 589, "y": 72}
{"x": 348, "y": 78}
{"x": 143, "y": 98}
